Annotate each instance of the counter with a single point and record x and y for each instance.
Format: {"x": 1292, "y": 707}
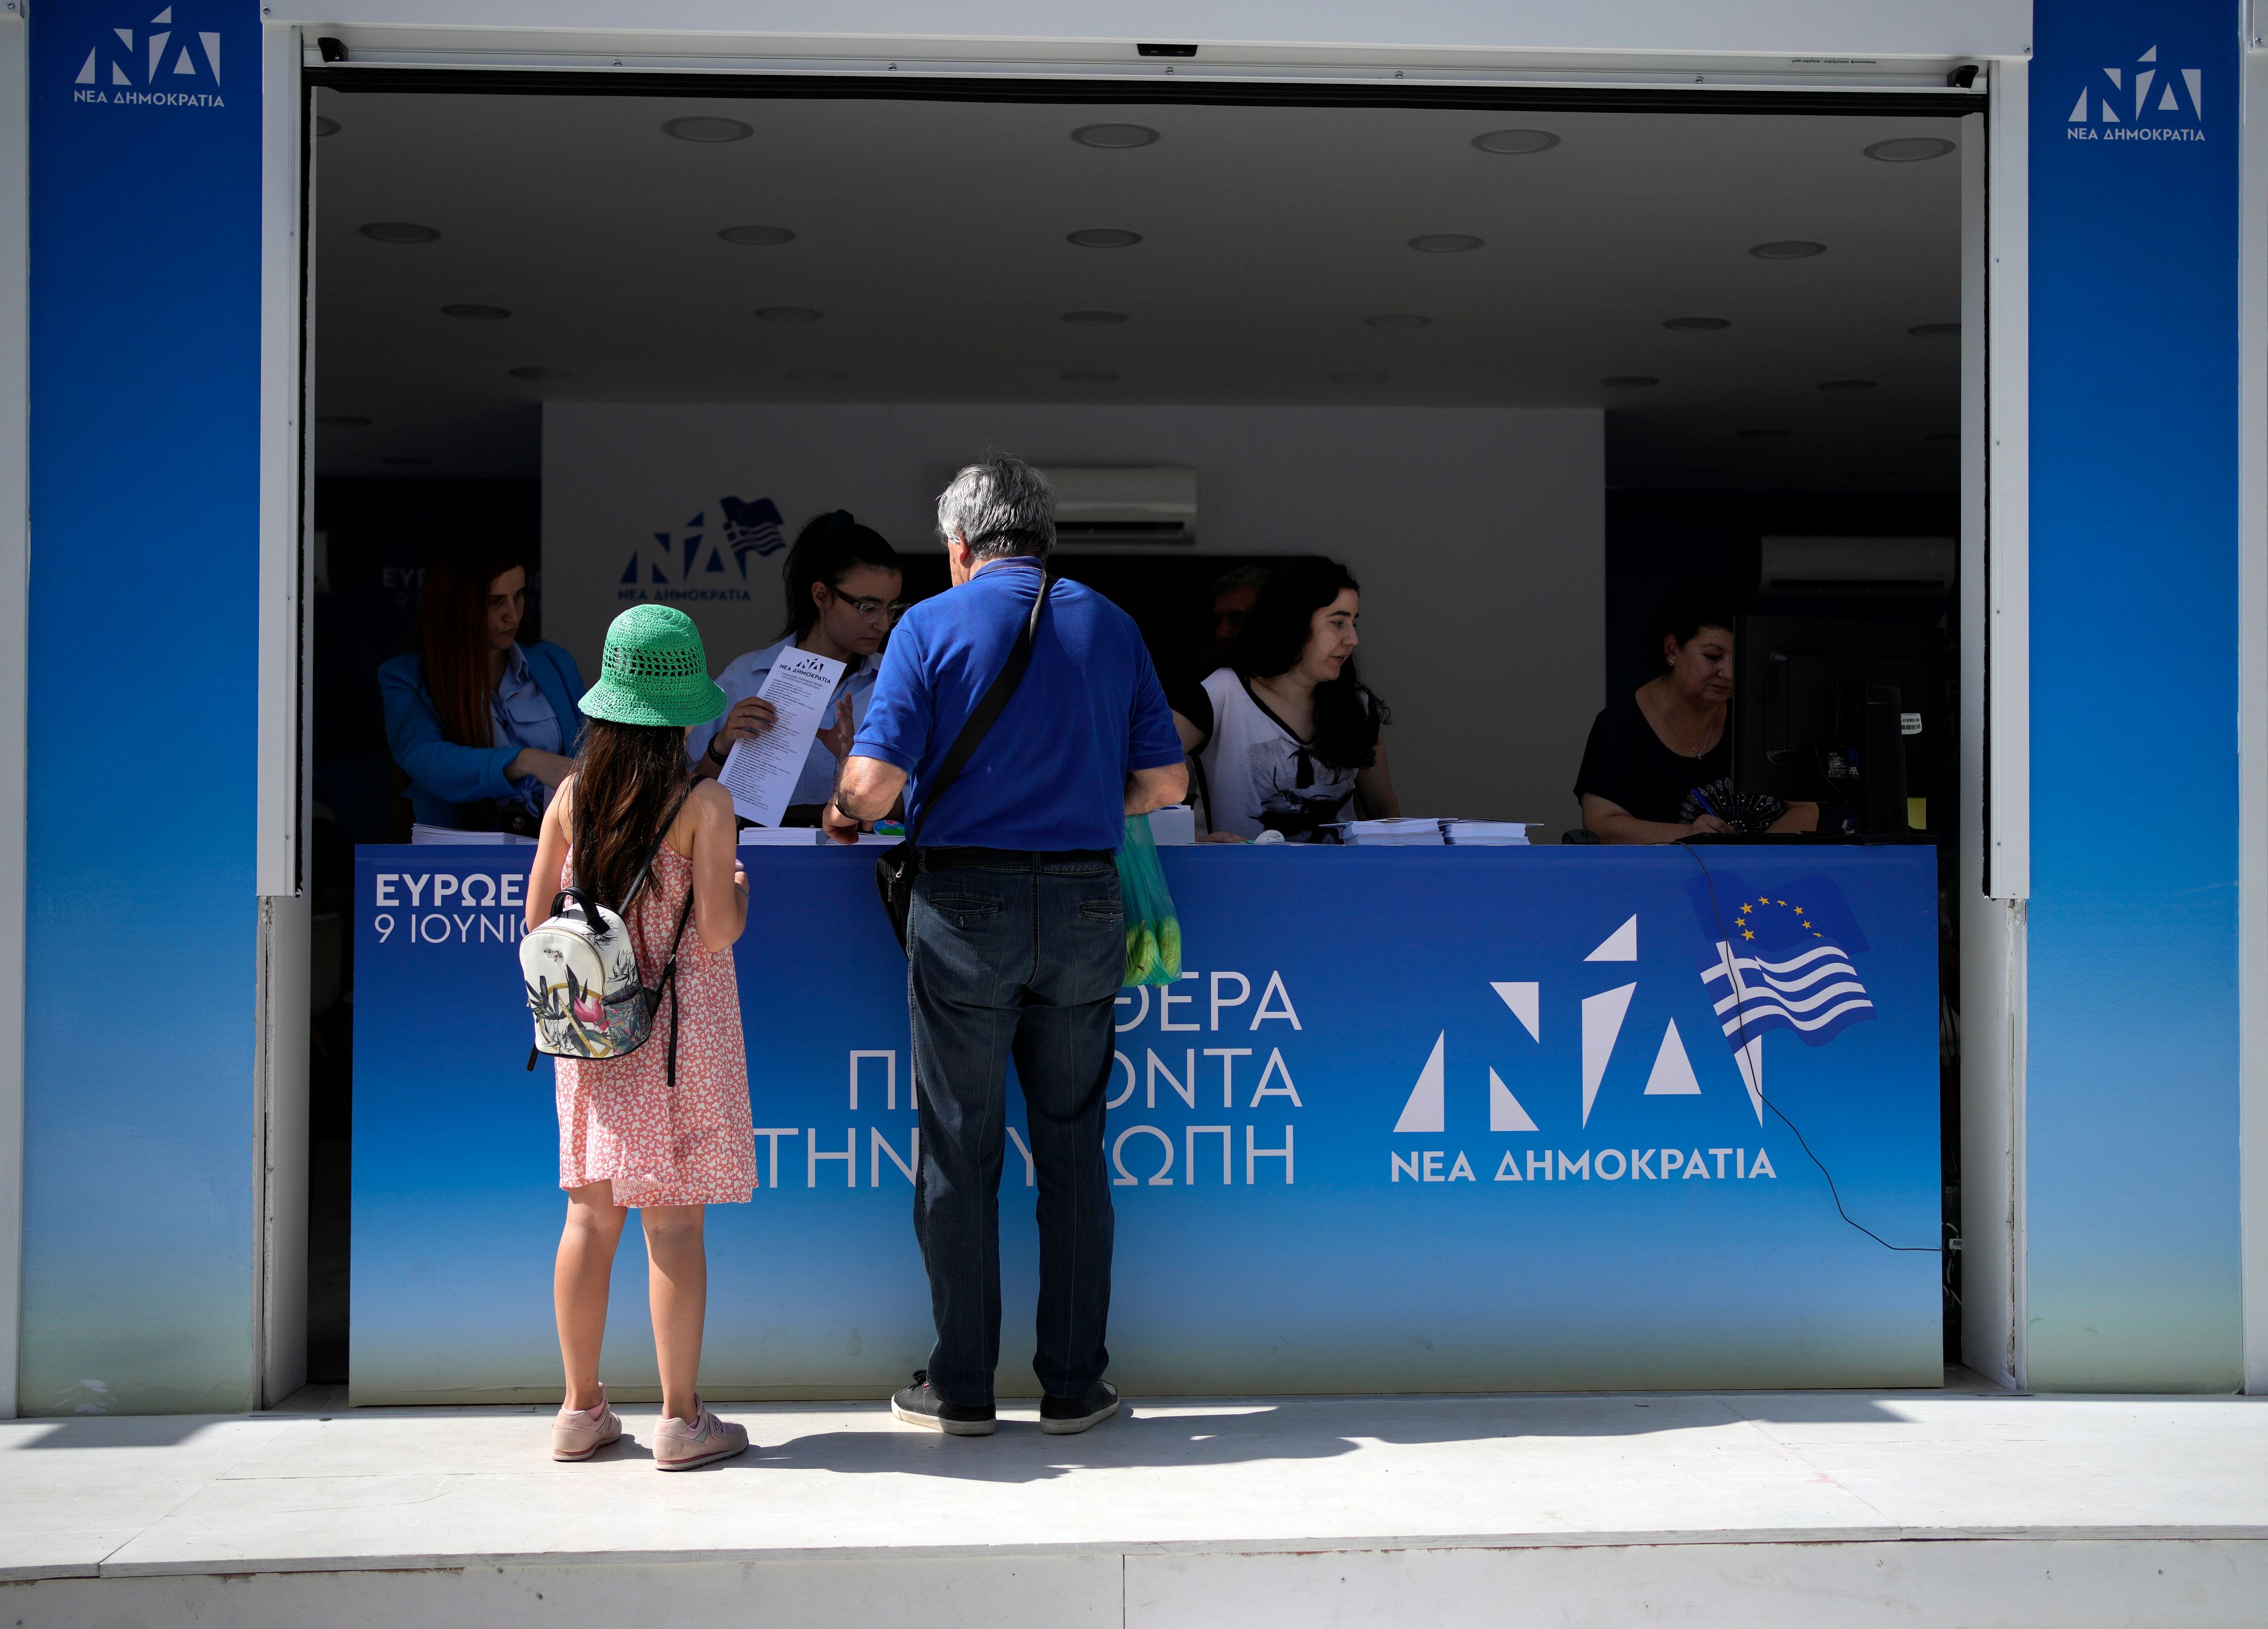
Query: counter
{"x": 1416, "y": 1119}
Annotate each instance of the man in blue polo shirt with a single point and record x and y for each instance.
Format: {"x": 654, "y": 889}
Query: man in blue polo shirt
{"x": 1016, "y": 941}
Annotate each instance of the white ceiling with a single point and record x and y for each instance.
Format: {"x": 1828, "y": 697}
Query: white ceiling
{"x": 931, "y": 238}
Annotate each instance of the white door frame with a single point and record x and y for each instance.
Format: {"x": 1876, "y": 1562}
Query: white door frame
{"x": 2252, "y": 700}
{"x": 15, "y": 667}
{"x": 1994, "y": 798}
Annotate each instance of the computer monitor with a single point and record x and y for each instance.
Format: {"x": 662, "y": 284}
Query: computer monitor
{"x": 1843, "y": 713}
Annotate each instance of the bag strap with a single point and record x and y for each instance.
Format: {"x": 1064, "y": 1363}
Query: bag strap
{"x": 988, "y": 709}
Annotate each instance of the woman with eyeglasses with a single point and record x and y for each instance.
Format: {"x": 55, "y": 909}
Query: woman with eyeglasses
{"x": 843, "y": 580}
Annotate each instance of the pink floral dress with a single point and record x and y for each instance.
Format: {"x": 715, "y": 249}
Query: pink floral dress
{"x": 618, "y": 1120}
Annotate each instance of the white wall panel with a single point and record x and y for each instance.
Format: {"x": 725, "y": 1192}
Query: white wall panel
{"x": 1478, "y": 537}
{"x": 1775, "y": 28}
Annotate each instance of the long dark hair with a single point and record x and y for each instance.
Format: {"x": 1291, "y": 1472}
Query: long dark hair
{"x": 453, "y": 626}
{"x": 828, "y": 548}
{"x": 1348, "y": 714}
{"x": 627, "y": 781}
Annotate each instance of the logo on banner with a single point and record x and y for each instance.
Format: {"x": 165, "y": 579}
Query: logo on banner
{"x": 158, "y": 65}
{"x": 699, "y": 560}
{"x": 2141, "y": 103}
{"x": 1774, "y": 963}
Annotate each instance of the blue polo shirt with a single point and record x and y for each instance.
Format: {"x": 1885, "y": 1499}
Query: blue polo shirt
{"x": 1052, "y": 773}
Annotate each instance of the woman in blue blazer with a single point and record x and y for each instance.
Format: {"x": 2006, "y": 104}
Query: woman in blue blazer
{"x": 484, "y": 725}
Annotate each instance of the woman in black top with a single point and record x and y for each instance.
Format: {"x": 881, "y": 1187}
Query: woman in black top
{"x": 1659, "y": 765}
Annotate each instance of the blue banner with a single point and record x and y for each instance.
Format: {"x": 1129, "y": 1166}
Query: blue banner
{"x": 1415, "y": 1120}
{"x": 2133, "y": 1016}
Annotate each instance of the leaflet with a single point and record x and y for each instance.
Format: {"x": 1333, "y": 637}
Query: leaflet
{"x": 761, "y": 774}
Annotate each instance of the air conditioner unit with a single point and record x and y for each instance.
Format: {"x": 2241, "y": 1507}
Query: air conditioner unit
{"x": 1121, "y": 506}
{"x": 1842, "y": 565}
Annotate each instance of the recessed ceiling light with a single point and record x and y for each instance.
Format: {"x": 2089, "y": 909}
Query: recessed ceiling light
{"x": 1788, "y": 248}
{"x": 1516, "y": 141}
{"x": 786, "y": 313}
{"x": 398, "y": 232}
{"x": 1847, "y": 384}
{"x": 1909, "y": 149}
{"x": 1443, "y": 243}
{"x": 1936, "y": 330}
{"x": 757, "y": 237}
{"x": 477, "y": 313}
{"x": 344, "y": 421}
{"x": 1360, "y": 379}
{"x": 1763, "y": 435}
{"x": 1113, "y": 136}
{"x": 1095, "y": 319}
{"x": 1629, "y": 381}
{"x": 540, "y": 376}
{"x": 705, "y": 127}
{"x": 1397, "y": 319}
{"x": 325, "y": 126}
{"x": 1697, "y": 324}
{"x": 408, "y": 464}
{"x": 1104, "y": 238}
{"x": 815, "y": 376}
{"x": 1090, "y": 376}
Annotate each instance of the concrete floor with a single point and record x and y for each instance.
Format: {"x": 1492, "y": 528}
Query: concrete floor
{"x": 1740, "y": 1509}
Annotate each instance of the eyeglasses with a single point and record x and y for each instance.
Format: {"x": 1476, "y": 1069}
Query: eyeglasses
{"x": 872, "y": 610}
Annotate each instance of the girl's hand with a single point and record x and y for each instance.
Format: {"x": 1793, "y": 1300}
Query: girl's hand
{"x": 837, "y": 736}
{"x": 750, "y": 716}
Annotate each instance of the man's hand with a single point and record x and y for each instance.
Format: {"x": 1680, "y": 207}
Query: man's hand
{"x": 864, "y": 792}
{"x": 1155, "y": 788}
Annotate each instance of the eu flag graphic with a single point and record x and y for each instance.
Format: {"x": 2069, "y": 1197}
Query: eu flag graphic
{"x": 1780, "y": 959}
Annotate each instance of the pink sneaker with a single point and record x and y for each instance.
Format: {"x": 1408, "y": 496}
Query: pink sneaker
{"x": 577, "y": 1434}
{"x": 681, "y": 1446}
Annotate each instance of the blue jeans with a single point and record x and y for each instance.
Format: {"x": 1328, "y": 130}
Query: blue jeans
{"x": 1016, "y": 958}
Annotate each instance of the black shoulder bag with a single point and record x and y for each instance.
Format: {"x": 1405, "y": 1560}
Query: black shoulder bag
{"x": 895, "y": 871}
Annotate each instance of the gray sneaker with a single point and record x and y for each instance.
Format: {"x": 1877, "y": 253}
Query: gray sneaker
{"x": 1062, "y": 1417}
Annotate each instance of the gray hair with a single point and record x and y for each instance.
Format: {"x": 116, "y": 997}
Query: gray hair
{"x": 1002, "y": 505}
{"x": 1242, "y": 577}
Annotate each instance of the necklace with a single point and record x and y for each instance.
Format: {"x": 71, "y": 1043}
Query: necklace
{"x": 1710, "y": 734}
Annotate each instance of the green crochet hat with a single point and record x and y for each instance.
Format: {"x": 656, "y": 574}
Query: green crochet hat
{"x": 654, "y": 672}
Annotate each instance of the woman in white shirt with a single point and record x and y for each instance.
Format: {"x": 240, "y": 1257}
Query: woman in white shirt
{"x": 1286, "y": 737}
{"x": 843, "y": 581}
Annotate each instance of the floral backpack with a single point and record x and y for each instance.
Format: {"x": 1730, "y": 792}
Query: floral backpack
{"x": 581, "y": 973}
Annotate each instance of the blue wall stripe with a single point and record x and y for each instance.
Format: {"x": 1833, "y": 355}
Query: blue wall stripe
{"x": 138, "y": 1224}
{"x": 2132, "y": 1088}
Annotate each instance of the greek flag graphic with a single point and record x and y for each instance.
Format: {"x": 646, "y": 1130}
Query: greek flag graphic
{"x": 1779, "y": 958}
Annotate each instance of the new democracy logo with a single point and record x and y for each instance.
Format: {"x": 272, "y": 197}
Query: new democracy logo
{"x": 157, "y": 66}
{"x": 691, "y": 562}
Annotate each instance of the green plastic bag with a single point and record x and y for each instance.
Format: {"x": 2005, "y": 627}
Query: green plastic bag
{"x": 1153, "y": 933}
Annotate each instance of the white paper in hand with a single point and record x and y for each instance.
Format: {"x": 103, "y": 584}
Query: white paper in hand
{"x": 761, "y": 774}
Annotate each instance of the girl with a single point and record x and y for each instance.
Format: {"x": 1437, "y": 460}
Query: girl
{"x": 843, "y": 580}
{"x": 626, "y": 1138}
{"x": 1287, "y": 736}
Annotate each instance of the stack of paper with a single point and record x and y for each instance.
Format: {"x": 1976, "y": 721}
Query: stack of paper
{"x": 780, "y": 836}
{"x": 1409, "y": 832}
{"x": 1486, "y": 833}
{"x": 443, "y": 834}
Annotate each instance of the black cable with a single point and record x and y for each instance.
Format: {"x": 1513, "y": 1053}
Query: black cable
{"x": 1725, "y": 937}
